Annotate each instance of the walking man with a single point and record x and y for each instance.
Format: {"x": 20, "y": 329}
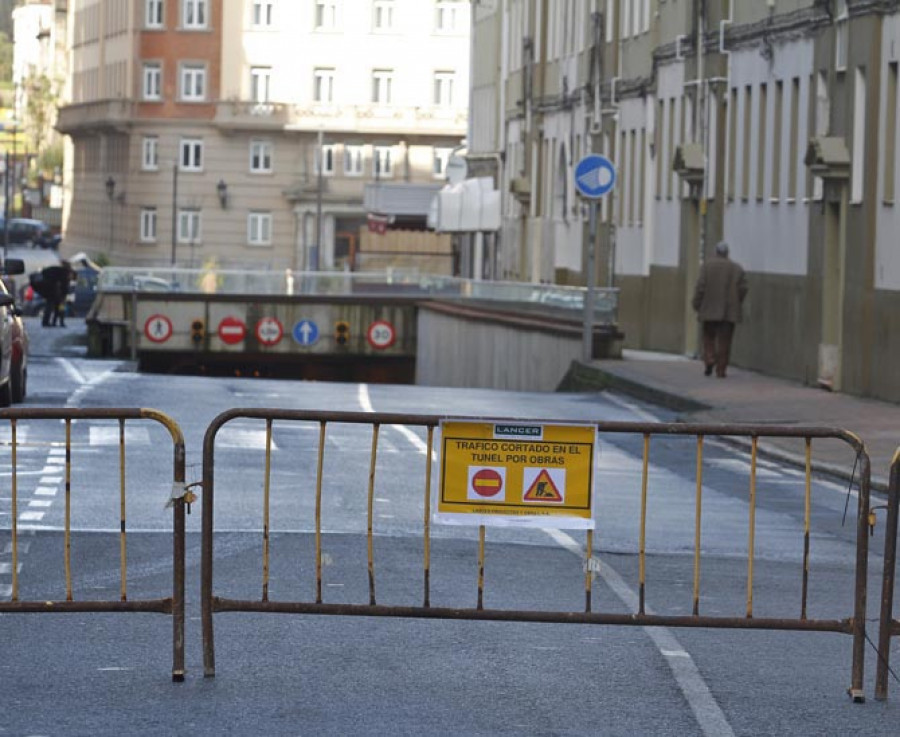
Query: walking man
{"x": 718, "y": 296}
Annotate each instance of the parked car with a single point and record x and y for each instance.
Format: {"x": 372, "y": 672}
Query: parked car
{"x": 29, "y": 233}
{"x": 13, "y": 341}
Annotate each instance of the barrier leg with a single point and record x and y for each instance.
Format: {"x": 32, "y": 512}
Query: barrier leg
{"x": 886, "y": 623}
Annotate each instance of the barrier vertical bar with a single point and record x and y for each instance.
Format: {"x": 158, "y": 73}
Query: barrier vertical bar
{"x": 68, "y": 522}
{"x": 751, "y": 542}
{"x": 886, "y": 620}
{"x": 266, "y": 501}
{"x": 319, "y": 473}
{"x": 371, "y": 514}
{"x": 123, "y": 550}
{"x": 480, "y": 567}
{"x": 862, "y": 561}
{"x": 14, "y": 522}
{"x": 807, "y": 514}
{"x": 642, "y": 543}
{"x": 697, "y": 517}
{"x": 427, "y": 527}
{"x": 588, "y": 574}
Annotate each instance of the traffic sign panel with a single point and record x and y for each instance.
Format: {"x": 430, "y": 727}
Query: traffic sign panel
{"x": 529, "y": 473}
{"x": 158, "y": 328}
{"x": 306, "y": 332}
{"x": 269, "y": 331}
{"x": 232, "y": 330}
{"x": 595, "y": 176}
{"x": 381, "y": 334}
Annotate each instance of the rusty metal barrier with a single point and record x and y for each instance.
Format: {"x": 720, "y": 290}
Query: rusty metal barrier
{"x": 173, "y": 605}
{"x": 853, "y": 624}
{"x": 888, "y": 626}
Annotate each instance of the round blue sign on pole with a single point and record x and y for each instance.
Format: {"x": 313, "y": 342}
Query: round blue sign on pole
{"x": 306, "y": 332}
{"x": 595, "y": 176}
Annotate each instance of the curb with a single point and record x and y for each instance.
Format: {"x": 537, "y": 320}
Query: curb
{"x": 582, "y": 377}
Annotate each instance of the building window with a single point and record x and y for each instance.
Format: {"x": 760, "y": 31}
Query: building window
{"x": 841, "y": 35}
{"x": 443, "y": 89}
{"x": 761, "y": 148}
{"x": 777, "y": 126}
{"x": 259, "y": 229}
{"x": 890, "y": 134}
{"x": 154, "y": 15}
{"x": 188, "y": 226}
{"x": 260, "y": 81}
{"x": 262, "y": 13}
{"x": 323, "y": 85}
{"x": 260, "y": 157}
{"x": 382, "y": 81}
{"x": 150, "y": 153}
{"x": 191, "y": 158}
{"x": 152, "y": 81}
{"x": 793, "y": 158}
{"x": 148, "y": 224}
{"x": 353, "y": 161}
{"x": 857, "y": 180}
{"x": 195, "y": 13}
{"x": 193, "y": 82}
{"x": 327, "y": 155}
{"x": 448, "y": 16}
{"x": 382, "y": 162}
{"x": 441, "y": 157}
{"x": 383, "y": 15}
{"x": 326, "y": 15}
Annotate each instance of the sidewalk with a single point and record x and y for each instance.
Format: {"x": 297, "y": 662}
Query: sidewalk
{"x": 678, "y": 383}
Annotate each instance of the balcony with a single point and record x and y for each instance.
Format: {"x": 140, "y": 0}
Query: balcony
{"x": 246, "y": 115}
{"x": 112, "y": 113}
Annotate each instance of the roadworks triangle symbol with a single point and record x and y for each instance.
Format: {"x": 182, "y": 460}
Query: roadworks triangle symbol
{"x": 542, "y": 489}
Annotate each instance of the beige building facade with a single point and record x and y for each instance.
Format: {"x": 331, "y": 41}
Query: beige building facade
{"x": 196, "y": 127}
{"x": 772, "y": 125}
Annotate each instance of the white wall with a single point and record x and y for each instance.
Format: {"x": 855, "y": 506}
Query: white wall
{"x": 771, "y": 235}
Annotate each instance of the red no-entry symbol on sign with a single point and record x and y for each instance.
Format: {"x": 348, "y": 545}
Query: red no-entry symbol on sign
{"x": 232, "y": 330}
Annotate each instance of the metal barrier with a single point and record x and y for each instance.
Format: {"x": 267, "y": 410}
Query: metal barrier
{"x": 888, "y": 626}
{"x": 173, "y": 605}
{"x": 853, "y": 624}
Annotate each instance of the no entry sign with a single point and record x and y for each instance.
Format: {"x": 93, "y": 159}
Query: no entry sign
{"x": 232, "y": 330}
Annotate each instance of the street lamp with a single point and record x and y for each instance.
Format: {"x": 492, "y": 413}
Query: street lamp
{"x": 222, "y": 191}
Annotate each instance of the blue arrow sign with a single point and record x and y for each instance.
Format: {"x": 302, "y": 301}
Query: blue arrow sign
{"x": 306, "y": 332}
{"x": 595, "y": 176}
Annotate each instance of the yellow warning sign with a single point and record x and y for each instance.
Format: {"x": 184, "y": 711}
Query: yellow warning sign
{"x": 542, "y": 489}
{"x": 524, "y": 473}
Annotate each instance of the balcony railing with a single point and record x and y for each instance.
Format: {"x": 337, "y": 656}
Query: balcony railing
{"x": 405, "y": 282}
{"x": 252, "y": 115}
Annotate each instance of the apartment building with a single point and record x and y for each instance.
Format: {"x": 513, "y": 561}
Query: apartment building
{"x": 243, "y": 132}
{"x": 771, "y": 124}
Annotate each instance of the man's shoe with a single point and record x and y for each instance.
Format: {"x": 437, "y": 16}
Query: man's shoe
{"x": 708, "y": 370}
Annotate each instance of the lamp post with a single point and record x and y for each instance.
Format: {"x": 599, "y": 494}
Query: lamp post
{"x": 110, "y": 194}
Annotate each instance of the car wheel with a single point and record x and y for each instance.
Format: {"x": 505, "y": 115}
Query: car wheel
{"x": 17, "y": 380}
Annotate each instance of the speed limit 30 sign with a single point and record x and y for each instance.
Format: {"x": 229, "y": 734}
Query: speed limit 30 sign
{"x": 381, "y": 335}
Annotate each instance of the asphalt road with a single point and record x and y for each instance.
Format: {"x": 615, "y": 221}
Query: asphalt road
{"x": 288, "y": 674}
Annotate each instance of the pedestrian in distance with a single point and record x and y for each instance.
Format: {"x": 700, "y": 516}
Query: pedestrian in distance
{"x": 718, "y": 298}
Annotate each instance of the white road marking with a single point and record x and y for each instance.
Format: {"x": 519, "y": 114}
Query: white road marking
{"x": 706, "y": 710}
{"x": 31, "y": 516}
{"x": 45, "y": 491}
{"x": 40, "y": 502}
{"x": 366, "y": 403}
{"x": 245, "y": 438}
{"x": 50, "y": 479}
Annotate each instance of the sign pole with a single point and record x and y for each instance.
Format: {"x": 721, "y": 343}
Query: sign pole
{"x": 587, "y": 335}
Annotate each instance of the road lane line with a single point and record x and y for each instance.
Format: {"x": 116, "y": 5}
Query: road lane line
{"x": 706, "y": 710}
{"x": 72, "y": 371}
{"x": 366, "y": 403}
